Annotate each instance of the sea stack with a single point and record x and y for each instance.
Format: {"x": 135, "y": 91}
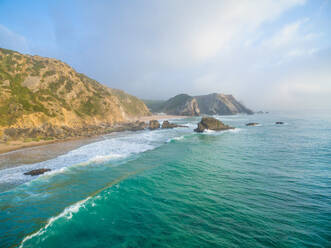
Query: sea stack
{"x": 211, "y": 123}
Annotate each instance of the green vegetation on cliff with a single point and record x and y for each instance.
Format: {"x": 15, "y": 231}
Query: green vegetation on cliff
{"x": 35, "y": 90}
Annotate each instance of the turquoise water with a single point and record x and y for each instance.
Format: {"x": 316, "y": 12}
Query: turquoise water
{"x": 264, "y": 186}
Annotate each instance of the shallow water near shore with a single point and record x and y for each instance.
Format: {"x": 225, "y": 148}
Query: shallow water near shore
{"x": 262, "y": 186}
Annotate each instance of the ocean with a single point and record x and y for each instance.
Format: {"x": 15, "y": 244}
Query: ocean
{"x": 260, "y": 186}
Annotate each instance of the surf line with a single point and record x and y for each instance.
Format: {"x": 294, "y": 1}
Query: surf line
{"x": 79, "y": 204}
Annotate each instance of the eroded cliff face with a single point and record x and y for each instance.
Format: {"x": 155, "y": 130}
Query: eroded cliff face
{"x": 35, "y": 90}
{"x": 181, "y": 105}
{"x": 212, "y": 104}
{"x": 220, "y": 104}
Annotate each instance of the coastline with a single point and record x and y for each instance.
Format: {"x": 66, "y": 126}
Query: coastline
{"x": 18, "y": 145}
{"x": 159, "y": 117}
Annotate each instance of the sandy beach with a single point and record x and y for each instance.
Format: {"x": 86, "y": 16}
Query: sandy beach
{"x": 159, "y": 117}
{"x": 18, "y": 145}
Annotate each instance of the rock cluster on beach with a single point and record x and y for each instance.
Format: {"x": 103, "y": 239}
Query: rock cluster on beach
{"x": 154, "y": 124}
{"x": 210, "y": 123}
{"x": 48, "y": 131}
{"x": 167, "y": 124}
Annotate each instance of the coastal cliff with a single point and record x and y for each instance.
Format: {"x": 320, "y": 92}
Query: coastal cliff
{"x": 212, "y": 104}
{"x": 45, "y": 94}
{"x": 221, "y": 104}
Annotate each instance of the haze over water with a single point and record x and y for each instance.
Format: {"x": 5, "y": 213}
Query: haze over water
{"x": 263, "y": 186}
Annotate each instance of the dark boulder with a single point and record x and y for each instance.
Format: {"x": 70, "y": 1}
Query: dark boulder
{"x": 279, "y": 122}
{"x": 252, "y": 124}
{"x": 211, "y": 123}
{"x": 37, "y": 172}
{"x": 153, "y": 124}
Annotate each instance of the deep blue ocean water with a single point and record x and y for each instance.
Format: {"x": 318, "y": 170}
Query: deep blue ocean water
{"x": 263, "y": 186}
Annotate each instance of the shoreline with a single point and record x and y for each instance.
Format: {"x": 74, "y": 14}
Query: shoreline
{"x": 159, "y": 117}
{"x": 21, "y": 145}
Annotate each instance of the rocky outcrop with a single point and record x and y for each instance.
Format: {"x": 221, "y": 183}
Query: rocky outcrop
{"x": 181, "y": 105}
{"x": 153, "y": 124}
{"x": 252, "y": 124}
{"x": 36, "y": 90}
{"x": 211, "y": 123}
{"x": 37, "y": 172}
{"x": 167, "y": 125}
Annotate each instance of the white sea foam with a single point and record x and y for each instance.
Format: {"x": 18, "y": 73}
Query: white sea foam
{"x": 66, "y": 213}
{"x": 208, "y": 131}
{"x": 175, "y": 138}
{"x": 235, "y": 130}
{"x": 190, "y": 125}
{"x": 212, "y": 132}
{"x": 112, "y": 148}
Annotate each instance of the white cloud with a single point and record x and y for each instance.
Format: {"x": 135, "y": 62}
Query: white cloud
{"x": 156, "y": 49}
{"x": 287, "y": 35}
{"x": 205, "y": 30}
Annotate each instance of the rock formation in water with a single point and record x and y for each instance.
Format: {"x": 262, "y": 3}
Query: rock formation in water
{"x": 37, "y": 172}
{"x": 37, "y": 91}
{"x": 212, "y": 104}
{"x": 167, "y": 125}
{"x": 153, "y": 124}
{"x": 211, "y": 123}
{"x": 252, "y": 124}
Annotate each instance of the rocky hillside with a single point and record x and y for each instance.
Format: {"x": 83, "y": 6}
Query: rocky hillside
{"x": 36, "y": 90}
{"x": 181, "y": 105}
{"x": 212, "y": 104}
{"x": 220, "y": 104}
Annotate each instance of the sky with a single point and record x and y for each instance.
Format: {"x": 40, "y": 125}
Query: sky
{"x": 270, "y": 54}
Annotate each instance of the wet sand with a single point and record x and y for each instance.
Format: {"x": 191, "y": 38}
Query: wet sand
{"x": 41, "y": 151}
{"x": 19, "y": 152}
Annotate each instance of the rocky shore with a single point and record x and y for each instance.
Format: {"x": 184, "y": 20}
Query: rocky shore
{"x": 51, "y": 132}
{"x": 16, "y": 138}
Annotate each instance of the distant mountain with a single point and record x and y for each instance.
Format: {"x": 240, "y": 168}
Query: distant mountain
{"x": 155, "y": 106}
{"x": 35, "y": 90}
{"x": 212, "y": 104}
{"x": 182, "y": 104}
{"x": 221, "y": 104}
